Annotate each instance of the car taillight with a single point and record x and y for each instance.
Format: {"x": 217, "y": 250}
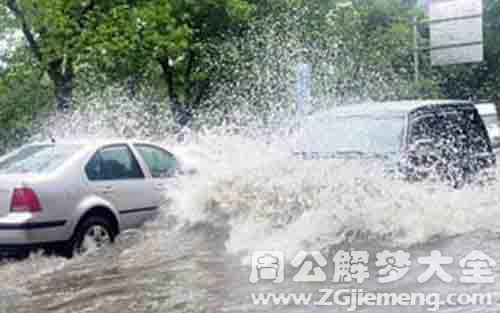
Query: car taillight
{"x": 24, "y": 200}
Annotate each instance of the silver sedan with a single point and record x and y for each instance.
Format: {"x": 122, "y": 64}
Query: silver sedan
{"x": 73, "y": 197}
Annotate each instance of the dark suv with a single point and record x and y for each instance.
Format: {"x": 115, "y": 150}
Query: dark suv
{"x": 439, "y": 139}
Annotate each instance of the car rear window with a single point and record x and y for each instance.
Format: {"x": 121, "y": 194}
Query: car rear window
{"x": 37, "y": 159}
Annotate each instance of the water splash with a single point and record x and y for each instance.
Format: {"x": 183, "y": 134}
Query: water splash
{"x": 287, "y": 204}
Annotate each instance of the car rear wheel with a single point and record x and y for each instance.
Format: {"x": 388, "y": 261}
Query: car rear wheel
{"x": 92, "y": 234}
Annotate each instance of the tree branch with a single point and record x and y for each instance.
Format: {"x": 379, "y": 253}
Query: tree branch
{"x": 182, "y": 114}
{"x": 33, "y": 44}
{"x": 201, "y": 92}
{"x": 87, "y": 8}
{"x": 188, "y": 74}
{"x": 83, "y": 11}
{"x": 168, "y": 75}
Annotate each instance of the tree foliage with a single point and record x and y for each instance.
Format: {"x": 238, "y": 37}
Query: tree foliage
{"x": 186, "y": 51}
{"x": 171, "y": 40}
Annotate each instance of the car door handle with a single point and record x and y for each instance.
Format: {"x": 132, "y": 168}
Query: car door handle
{"x": 160, "y": 186}
{"x": 107, "y": 189}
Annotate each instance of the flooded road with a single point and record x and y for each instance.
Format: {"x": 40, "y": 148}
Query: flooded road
{"x": 196, "y": 256}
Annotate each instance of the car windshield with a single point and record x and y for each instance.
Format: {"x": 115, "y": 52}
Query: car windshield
{"x": 363, "y": 134}
{"x": 37, "y": 159}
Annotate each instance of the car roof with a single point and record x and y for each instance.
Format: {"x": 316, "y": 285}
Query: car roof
{"x": 486, "y": 108}
{"x": 393, "y": 107}
{"x": 94, "y": 143}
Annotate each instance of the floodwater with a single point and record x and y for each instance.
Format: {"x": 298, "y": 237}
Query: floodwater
{"x": 249, "y": 196}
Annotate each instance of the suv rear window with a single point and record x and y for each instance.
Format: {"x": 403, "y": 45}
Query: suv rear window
{"x": 37, "y": 159}
{"x": 462, "y": 129}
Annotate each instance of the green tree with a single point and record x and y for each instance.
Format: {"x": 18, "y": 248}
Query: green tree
{"x": 24, "y": 95}
{"x": 52, "y": 29}
{"x": 175, "y": 40}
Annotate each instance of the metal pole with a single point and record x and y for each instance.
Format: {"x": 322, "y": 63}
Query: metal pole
{"x": 416, "y": 61}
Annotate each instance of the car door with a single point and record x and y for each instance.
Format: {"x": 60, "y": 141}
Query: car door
{"x": 115, "y": 175}
{"x": 162, "y": 165}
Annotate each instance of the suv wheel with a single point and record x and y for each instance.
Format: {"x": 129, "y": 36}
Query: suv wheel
{"x": 93, "y": 233}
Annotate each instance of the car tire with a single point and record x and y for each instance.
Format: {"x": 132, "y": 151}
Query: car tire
{"x": 93, "y": 226}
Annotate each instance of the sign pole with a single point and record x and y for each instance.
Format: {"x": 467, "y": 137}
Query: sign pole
{"x": 416, "y": 61}
{"x": 304, "y": 73}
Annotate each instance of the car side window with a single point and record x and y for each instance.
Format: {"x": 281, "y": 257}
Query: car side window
{"x": 113, "y": 163}
{"x": 161, "y": 163}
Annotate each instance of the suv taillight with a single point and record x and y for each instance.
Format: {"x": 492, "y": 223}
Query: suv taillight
{"x": 24, "y": 200}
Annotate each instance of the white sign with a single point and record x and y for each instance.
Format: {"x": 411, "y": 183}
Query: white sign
{"x": 444, "y": 9}
{"x": 456, "y": 31}
{"x": 457, "y": 55}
